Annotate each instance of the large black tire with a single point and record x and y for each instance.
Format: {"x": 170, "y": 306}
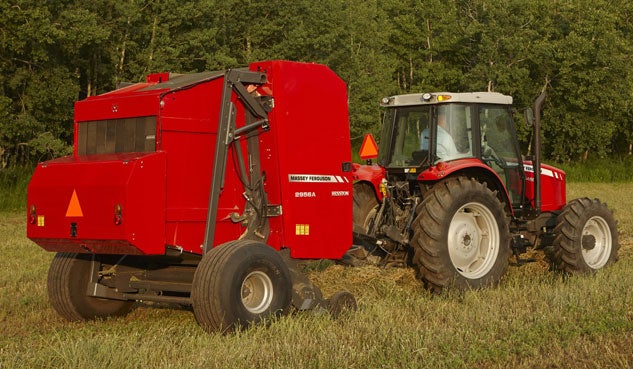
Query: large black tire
{"x": 365, "y": 206}
{"x": 586, "y": 237}
{"x": 239, "y": 283}
{"x": 364, "y": 211}
{"x": 461, "y": 236}
{"x": 67, "y": 282}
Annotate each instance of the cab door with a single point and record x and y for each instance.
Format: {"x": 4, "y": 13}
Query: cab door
{"x": 500, "y": 150}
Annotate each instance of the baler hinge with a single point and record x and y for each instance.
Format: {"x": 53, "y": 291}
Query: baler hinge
{"x": 273, "y": 211}
{"x": 228, "y": 133}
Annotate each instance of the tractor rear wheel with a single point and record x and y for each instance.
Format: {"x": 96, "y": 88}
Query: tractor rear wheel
{"x": 67, "y": 282}
{"x": 239, "y": 283}
{"x": 586, "y": 237}
{"x": 364, "y": 213}
{"x": 461, "y": 236}
{"x": 365, "y": 206}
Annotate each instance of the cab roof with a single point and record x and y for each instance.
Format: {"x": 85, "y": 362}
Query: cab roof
{"x": 447, "y": 97}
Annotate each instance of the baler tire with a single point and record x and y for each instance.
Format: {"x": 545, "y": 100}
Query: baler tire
{"x": 365, "y": 206}
{"x": 461, "y": 236}
{"x": 67, "y": 283}
{"x": 232, "y": 269}
{"x": 586, "y": 238}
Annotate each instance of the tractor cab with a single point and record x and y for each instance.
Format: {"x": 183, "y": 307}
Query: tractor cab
{"x": 428, "y": 136}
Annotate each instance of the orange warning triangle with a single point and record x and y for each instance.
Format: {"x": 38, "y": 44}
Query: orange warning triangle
{"x": 74, "y": 209}
{"x": 369, "y": 148}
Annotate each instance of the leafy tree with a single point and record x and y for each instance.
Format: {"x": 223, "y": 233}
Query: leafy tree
{"x": 589, "y": 68}
{"x": 52, "y": 53}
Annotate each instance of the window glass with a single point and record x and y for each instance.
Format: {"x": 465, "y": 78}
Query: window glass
{"x": 498, "y": 148}
{"x": 117, "y": 136}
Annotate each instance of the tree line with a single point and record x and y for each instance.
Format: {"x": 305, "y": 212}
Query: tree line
{"x": 55, "y": 52}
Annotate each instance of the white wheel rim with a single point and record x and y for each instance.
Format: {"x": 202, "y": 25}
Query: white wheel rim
{"x": 257, "y": 292}
{"x": 596, "y": 242}
{"x": 473, "y": 240}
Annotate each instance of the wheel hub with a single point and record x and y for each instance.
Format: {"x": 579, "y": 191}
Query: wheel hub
{"x": 596, "y": 242}
{"x": 466, "y": 240}
{"x": 467, "y": 236}
{"x": 473, "y": 238}
{"x": 588, "y": 242}
{"x": 257, "y": 292}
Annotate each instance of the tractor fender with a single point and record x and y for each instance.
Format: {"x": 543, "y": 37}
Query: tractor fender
{"x": 372, "y": 174}
{"x": 472, "y": 168}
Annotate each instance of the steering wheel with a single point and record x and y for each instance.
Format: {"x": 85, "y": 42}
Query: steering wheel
{"x": 489, "y": 155}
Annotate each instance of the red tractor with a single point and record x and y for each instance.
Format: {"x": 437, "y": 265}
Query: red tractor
{"x": 208, "y": 190}
{"x": 452, "y": 196}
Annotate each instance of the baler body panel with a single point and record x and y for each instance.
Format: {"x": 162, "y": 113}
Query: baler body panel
{"x": 307, "y": 145}
{"x": 304, "y": 155}
{"x": 189, "y": 127}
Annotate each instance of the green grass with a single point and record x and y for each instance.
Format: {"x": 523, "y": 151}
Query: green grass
{"x": 13, "y": 184}
{"x": 534, "y": 319}
{"x": 600, "y": 170}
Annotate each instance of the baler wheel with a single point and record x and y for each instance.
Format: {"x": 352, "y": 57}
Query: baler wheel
{"x": 586, "y": 237}
{"x": 68, "y": 278}
{"x": 461, "y": 236}
{"x": 239, "y": 283}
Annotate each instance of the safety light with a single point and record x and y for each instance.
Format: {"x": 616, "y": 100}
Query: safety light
{"x": 118, "y": 218}
{"x": 382, "y": 187}
{"x": 32, "y": 214}
{"x": 441, "y": 166}
{"x": 441, "y": 98}
{"x": 386, "y": 101}
{"x": 426, "y": 97}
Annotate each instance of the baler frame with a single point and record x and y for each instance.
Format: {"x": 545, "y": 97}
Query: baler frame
{"x": 229, "y": 134}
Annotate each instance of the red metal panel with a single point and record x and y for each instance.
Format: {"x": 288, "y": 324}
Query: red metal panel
{"x": 100, "y": 182}
{"x": 139, "y": 104}
{"x": 553, "y": 190}
{"x": 189, "y": 122}
{"x": 310, "y": 143}
{"x": 373, "y": 174}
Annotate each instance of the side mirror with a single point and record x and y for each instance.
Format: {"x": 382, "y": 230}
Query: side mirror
{"x": 529, "y": 116}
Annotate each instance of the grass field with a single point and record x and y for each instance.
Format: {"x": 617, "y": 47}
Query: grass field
{"x": 534, "y": 319}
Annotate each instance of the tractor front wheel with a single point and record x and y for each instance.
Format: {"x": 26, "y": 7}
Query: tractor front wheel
{"x": 461, "y": 236}
{"x": 67, "y": 283}
{"x": 586, "y": 237}
{"x": 239, "y": 283}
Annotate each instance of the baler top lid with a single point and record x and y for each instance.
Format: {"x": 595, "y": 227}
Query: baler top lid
{"x": 179, "y": 81}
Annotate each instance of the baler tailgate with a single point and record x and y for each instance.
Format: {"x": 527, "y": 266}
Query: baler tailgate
{"x": 101, "y": 204}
